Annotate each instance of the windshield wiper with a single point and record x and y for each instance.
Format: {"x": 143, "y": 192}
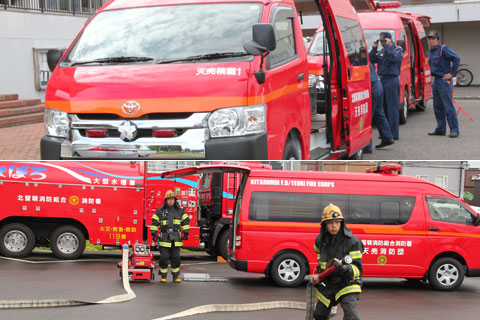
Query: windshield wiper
{"x": 208, "y": 56}
{"x": 112, "y": 60}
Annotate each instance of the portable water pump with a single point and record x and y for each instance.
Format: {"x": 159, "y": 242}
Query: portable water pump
{"x": 141, "y": 264}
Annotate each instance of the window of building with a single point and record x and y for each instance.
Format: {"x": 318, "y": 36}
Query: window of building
{"x": 441, "y": 181}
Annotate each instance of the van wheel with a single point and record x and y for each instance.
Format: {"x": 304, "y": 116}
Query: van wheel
{"x": 16, "y": 240}
{"x": 67, "y": 242}
{"x": 292, "y": 150}
{"x": 404, "y": 110}
{"x": 288, "y": 270}
{"x": 222, "y": 244}
{"x": 446, "y": 274}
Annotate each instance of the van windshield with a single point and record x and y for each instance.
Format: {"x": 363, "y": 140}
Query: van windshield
{"x": 156, "y": 34}
{"x": 316, "y": 48}
{"x": 371, "y": 35}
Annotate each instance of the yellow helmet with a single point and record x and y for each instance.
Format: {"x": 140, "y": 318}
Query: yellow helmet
{"x": 332, "y": 212}
{"x": 169, "y": 194}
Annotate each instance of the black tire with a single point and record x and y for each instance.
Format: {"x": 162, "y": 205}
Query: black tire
{"x": 446, "y": 274}
{"x": 293, "y": 150}
{"x": 288, "y": 270}
{"x": 67, "y": 242}
{"x": 403, "y": 113}
{"x": 222, "y": 244}
{"x": 464, "y": 77}
{"x": 16, "y": 240}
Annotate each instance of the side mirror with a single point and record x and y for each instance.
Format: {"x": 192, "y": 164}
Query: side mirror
{"x": 53, "y": 56}
{"x": 263, "y": 42}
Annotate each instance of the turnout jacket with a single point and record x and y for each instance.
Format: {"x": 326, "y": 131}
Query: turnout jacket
{"x": 338, "y": 246}
{"x": 170, "y": 220}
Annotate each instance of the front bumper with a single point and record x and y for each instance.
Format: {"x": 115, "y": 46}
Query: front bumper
{"x": 193, "y": 143}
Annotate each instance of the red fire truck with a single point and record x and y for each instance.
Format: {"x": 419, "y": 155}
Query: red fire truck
{"x": 62, "y": 204}
{"x": 195, "y": 93}
{"x": 410, "y": 228}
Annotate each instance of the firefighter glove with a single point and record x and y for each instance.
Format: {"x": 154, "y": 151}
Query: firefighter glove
{"x": 185, "y": 236}
{"x": 340, "y": 268}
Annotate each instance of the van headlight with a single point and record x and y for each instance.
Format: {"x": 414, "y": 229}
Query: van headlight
{"x": 312, "y": 80}
{"x": 56, "y": 123}
{"x": 238, "y": 121}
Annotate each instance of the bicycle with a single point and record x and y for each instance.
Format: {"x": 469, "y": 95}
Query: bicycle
{"x": 464, "y": 77}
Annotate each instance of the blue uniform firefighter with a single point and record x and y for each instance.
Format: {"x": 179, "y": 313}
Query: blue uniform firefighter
{"x": 389, "y": 61}
{"x": 378, "y": 115}
{"x": 443, "y": 63}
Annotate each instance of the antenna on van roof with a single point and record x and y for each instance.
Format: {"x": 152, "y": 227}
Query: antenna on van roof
{"x": 389, "y": 168}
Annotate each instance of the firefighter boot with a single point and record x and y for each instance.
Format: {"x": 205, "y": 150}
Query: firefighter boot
{"x": 163, "y": 279}
{"x": 176, "y": 278}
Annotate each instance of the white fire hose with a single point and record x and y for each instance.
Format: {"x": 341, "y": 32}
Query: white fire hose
{"x": 45, "y": 303}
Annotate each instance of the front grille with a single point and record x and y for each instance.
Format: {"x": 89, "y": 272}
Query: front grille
{"x": 149, "y": 116}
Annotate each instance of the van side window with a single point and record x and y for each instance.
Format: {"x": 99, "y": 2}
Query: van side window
{"x": 389, "y": 210}
{"x": 353, "y": 38}
{"x": 308, "y": 207}
{"x": 449, "y": 210}
{"x": 284, "y": 33}
{"x": 206, "y": 181}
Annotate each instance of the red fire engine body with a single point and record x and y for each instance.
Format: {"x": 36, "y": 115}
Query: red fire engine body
{"x": 62, "y": 204}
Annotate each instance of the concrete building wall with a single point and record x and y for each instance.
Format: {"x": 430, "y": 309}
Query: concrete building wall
{"x": 22, "y": 31}
{"x": 432, "y": 171}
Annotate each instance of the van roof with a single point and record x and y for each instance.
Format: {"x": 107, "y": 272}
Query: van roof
{"x": 123, "y": 4}
{"x": 341, "y": 176}
{"x": 380, "y": 20}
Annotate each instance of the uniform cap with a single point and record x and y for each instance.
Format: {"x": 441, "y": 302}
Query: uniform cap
{"x": 332, "y": 212}
{"x": 434, "y": 34}
{"x": 385, "y": 36}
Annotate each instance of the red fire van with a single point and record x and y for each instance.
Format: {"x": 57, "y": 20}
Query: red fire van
{"x": 408, "y": 32}
{"x": 183, "y": 79}
{"x": 410, "y": 228}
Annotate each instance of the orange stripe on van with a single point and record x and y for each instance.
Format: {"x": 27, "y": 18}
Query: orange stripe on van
{"x": 455, "y": 234}
{"x": 360, "y": 73}
{"x": 186, "y": 104}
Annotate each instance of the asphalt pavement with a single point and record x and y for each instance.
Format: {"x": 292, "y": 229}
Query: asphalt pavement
{"x": 95, "y": 277}
{"x": 23, "y": 142}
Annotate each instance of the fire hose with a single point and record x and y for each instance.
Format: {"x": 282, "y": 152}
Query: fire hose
{"x": 45, "y": 303}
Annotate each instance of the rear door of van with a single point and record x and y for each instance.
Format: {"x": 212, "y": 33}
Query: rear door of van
{"x": 353, "y": 95}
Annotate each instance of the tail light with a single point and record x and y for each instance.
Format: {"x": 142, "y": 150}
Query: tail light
{"x": 238, "y": 236}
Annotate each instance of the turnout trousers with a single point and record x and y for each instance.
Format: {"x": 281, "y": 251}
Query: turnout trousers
{"x": 443, "y": 106}
{"x": 171, "y": 255}
{"x": 391, "y": 93}
{"x": 348, "y": 303}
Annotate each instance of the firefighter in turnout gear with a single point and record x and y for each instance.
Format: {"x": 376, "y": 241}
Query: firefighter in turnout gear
{"x": 337, "y": 246}
{"x": 171, "y": 220}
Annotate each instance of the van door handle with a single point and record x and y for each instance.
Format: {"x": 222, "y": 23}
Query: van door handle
{"x": 432, "y": 229}
{"x": 300, "y": 77}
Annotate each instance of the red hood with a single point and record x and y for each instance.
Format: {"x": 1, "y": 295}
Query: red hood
{"x": 315, "y": 65}
{"x": 194, "y": 87}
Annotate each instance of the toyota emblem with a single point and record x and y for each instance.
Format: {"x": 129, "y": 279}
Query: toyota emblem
{"x": 131, "y": 107}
